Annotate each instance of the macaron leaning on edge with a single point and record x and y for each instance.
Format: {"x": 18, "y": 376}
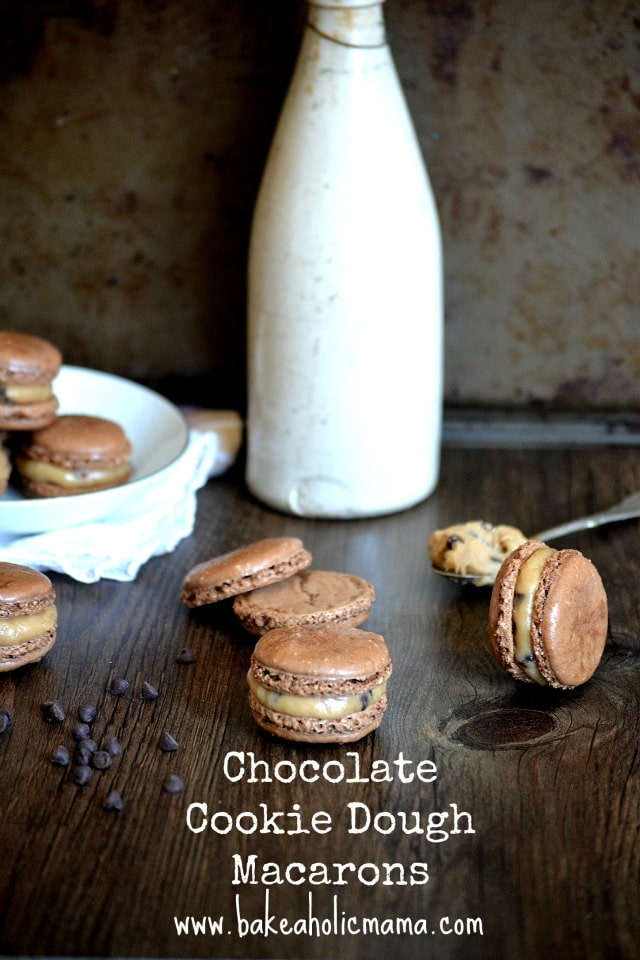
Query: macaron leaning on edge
{"x": 74, "y": 454}
{"x": 548, "y": 616}
{"x": 245, "y": 568}
{"x": 319, "y": 684}
{"x": 28, "y": 366}
{"x": 28, "y": 615}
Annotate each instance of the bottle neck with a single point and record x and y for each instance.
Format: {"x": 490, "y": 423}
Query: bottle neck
{"x": 351, "y": 24}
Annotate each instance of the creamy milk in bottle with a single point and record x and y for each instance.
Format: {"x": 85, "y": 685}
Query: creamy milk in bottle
{"x": 344, "y": 286}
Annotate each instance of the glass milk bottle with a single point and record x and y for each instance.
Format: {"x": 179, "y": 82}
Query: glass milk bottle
{"x": 344, "y": 286}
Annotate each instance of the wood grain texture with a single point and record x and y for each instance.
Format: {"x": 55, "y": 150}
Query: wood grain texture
{"x": 550, "y": 779}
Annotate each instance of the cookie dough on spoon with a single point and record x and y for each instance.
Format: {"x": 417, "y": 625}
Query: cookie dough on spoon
{"x": 473, "y": 550}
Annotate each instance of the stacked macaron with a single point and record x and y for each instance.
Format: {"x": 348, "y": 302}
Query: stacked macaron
{"x": 314, "y": 676}
{"x": 74, "y": 454}
{"x": 28, "y": 615}
{"x": 51, "y": 455}
{"x": 28, "y": 367}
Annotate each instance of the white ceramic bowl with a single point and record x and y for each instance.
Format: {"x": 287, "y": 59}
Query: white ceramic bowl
{"x": 158, "y": 433}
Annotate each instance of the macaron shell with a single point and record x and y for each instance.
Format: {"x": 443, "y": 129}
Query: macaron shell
{"x": 78, "y": 440}
{"x": 306, "y": 730}
{"x": 245, "y": 568}
{"x": 309, "y": 597}
{"x": 23, "y": 590}
{"x": 501, "y": 639}
{"x": 324, "y": 660}
{"x": 27, "y": 359}
{"x": 569, "y": 619}
{"x": 19, "y": 654}
{"x": 28, "y": 416}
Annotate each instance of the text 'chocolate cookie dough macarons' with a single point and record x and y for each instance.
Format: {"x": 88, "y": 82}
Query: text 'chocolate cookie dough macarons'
{"x": 28, "y": 366}
{"x": 245, "y": 568}
{"x": 322, "y": 684}
{"x": 74, "y": 454}
{"x": 28, "y": 615}
{"x": 308, "y": 598}
{"x": 548, "y": 616}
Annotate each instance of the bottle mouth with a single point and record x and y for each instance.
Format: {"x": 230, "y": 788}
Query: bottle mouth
{"x": 350, "y": 24}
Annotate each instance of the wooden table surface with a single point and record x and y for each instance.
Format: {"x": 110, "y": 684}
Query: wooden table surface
{"x": 521, "y": 804}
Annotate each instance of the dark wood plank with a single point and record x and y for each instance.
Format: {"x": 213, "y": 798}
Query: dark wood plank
{"x": 550, "y": 781}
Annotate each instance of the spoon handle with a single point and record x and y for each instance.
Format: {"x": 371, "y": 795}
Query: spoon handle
{"x": 626, "y": 509}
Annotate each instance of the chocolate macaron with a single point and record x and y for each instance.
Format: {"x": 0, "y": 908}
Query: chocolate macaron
{"x": 74, "y": 454}
{"x": 307, "y": 598}
{"x": 245, "y": 568}
{"x": 28, "y": 615}
{"x": 548, "y": 616}
{"x": 321, "y": 684}
{"x": 28, "y": 366}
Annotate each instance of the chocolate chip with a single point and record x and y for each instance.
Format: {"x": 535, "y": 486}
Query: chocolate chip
{"x": 80, "y": 731}
{"x": 113, "y": 801}
{"x": 82, "y": 756}
{"x": 453, "y": 539}
{"x": 87, "y": 713}
{"x": 61, "y": 757}
{"x": 186, "y": 656}
{"x": 53, "y": 711}
{"x": 112, "y": 746}
{"x": 119, "y": 686}
{"x": 167, "y": 743}
{"x": 6, "y": 719}
{"x": 173, "y": 784}
{"x": 148, "y": 692}
{"x": 101, "y": 760}
{"x": 82, "y": 775}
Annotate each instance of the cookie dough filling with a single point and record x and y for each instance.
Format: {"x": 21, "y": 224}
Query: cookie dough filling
{"x": 319, "y": 708}
{"x": 41, "y": 472}
{"x": 475, "y": 548}
{"x": 5, "y": 464}
{"x": 22, "y": 629}
{"x": 25, "y": 393}
{"x": 525, "y": 589}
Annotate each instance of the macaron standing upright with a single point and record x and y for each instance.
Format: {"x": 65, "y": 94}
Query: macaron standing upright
{"x": 28, "y": 615}
{"x": 548, "y": 616}
{"x": 306, "y": 598}
{"x": 74, "y": 454}
{"x": 245, "y": 568}
{"x": 319, "y": 684}
{"x": 28, "y": 367}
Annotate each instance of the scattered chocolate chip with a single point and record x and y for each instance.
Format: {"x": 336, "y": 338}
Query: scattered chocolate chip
{"x": 113, "y": 801}
{"x": 119, "y": 686}
{"x": 6, "y": 719}
{"x": 167, "y": 743}
{"x": 82, "y": 775}
{"x": 53, "y": 711}
{"x": 112, "y": 746}
{"x": 87, "y": 713}
{"x": 101, "y": 760}
{"x": 80, "y": 731}
{"x": 173, "y": 784}
{"x": 87, "y": 744}
{"x": 148, "y": 692}
{"x": 453, "y": 539}
{"x": 61, "y": 757}
{"x": 186, "y": 656}
{"x": 82, "y": 756}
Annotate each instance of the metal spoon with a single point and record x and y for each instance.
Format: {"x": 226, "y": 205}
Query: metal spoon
{"x": 626, "y": 509}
